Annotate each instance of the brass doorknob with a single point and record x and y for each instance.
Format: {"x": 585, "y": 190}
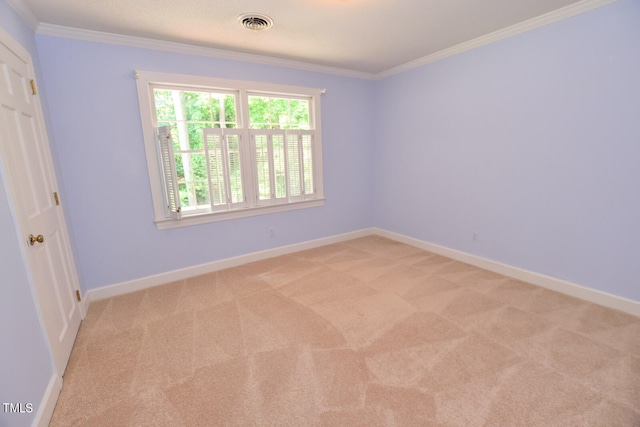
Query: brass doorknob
{"x": 33, "y": 239}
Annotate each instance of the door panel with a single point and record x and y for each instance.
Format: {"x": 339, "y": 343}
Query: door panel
{"x": 26, "y": 156}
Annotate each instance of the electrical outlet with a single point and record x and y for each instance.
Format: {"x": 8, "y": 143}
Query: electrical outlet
{"x": 475, "y": 236}
{"x": 272, "y": 232}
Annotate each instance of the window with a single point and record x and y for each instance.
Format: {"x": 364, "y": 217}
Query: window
{"x": 220, "y": 149}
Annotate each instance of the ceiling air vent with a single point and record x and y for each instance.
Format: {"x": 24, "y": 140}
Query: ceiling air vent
{"x": 255, "y": 22}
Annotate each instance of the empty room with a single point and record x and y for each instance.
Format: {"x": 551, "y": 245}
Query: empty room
{"x": 320, "y": 213}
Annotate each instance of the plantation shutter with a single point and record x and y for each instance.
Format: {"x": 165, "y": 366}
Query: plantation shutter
{"x": 215, "y": 160}
{"x": 169, "y": 171}
{"x": 223, "y": 158}
{"x": 262, "y": 149}
{"x": 270, "y": 165}
{"x": 279, "y": 164}
{"x": 306, "y": 139}
{"x": 294, "y": 165}
{"x": 233, "y": 152}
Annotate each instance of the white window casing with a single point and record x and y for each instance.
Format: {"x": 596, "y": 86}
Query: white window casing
{"x": 249, "y": 171}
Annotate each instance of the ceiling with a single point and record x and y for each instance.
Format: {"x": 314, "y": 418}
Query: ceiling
{"x": 369, "y": 36}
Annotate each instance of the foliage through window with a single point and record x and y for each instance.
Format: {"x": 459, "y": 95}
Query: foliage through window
{"x": 229, "y": 147}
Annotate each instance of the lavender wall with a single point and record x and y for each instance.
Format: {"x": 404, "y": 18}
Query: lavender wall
{"x": 529, "y": 142}
{"x": 98, "y": 136}
{"x": 25, "y": 362}
{"x": 533, "y": 142}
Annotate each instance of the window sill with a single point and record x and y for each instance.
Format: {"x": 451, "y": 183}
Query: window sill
{"x": 167, "y": 223}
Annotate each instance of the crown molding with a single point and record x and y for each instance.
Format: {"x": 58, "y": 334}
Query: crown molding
{"x": 25, "y": 13}
{"x": 147, "y": 43}
{"x": 141, "y": 42}
{"x": 524, "y": 26}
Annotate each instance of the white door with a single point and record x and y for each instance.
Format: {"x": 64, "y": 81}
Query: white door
{"x": 24, "y": 151}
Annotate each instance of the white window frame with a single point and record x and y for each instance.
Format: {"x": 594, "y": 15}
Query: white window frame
{"x": 164, "y": 219}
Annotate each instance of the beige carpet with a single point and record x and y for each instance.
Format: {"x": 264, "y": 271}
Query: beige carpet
{"x": 363, "y": 333}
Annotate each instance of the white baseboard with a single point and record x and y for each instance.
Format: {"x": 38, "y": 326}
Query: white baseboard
{"x": 48, "y": 403}
{"x": 558, "y": 285}
{"x": 183, "y": 273}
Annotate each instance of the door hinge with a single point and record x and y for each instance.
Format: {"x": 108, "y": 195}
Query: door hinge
{"x": 55, "y": 196}
{"x": 78, "y": 296}
{"x": 34, "y": 90}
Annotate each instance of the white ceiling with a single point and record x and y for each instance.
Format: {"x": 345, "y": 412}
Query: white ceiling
{"x": 368, "y": 36}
